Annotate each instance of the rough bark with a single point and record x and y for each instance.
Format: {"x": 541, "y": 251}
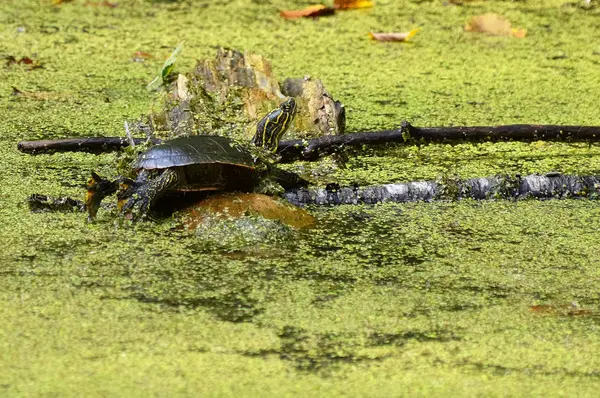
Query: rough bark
{"x": 322, "y": 146}
{"x": 315, "y": 148}
{"x": 552, "y": 185}
{"x": 88, "y": 144}
{"x": 548, "y": 186}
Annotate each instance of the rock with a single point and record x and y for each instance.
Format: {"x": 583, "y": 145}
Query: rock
{"x": 322, "y": 114}
{"x": 231, "y": 93}
{"x": 236, "y": 205}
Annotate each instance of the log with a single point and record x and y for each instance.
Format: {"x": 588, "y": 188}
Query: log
{"x": 315, "y": 148}
{"x": 322, "y": 146}
{"x": 547, "y": 186}
{"x": 84, "y": 144}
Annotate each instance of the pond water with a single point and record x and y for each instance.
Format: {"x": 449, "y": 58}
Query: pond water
{"x": 489, "y": 298}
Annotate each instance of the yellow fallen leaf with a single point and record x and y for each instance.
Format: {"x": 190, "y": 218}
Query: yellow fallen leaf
{"x": 350, "y": 4}
{"x": 519, "y": 33}
{"x": 394, "y": 36}
{"x": 493, "y": 24}
{"x": 317, "y": 10}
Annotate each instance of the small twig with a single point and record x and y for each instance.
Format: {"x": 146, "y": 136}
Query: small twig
{"x": 129, "y": 136}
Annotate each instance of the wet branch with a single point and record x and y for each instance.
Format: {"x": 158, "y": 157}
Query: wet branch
{"x": 86, "y": 144}
{"x": 548, "y": 186}
{"x": 322, "y": 146}
{"x": 315, "y": 148}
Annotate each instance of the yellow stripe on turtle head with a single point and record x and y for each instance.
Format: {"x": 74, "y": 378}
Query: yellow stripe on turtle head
{"x": 271, "y": 128}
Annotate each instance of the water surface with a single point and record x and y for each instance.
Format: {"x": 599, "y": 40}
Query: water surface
{"x": 475, "y": 298}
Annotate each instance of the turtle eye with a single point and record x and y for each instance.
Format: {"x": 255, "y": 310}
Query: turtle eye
{"x": 289, "y": 105}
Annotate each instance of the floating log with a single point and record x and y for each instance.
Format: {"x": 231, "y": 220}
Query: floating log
{"x": 547, "y": 186}
{"x": 315, "y": 148}
{"x": 322, "y": 146}
{"x": 84, "y": 144}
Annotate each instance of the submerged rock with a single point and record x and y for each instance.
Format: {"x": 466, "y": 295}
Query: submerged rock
{"x": 241, "y": 219}
{"x": 237, "y": 205}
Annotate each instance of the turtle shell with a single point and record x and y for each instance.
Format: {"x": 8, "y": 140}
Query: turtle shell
{"x": 194, "y": 150}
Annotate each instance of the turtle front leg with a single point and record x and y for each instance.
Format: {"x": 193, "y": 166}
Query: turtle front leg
{"x": 138, "y": 198}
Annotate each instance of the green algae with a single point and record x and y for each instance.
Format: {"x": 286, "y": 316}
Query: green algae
{"x": 387, "y": 300}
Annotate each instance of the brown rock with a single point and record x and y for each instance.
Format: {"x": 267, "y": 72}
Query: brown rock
{"x": 236, "y": 205}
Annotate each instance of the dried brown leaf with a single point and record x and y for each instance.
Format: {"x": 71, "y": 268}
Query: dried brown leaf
{"x": 394, "y": 36}
{"x": 141, "y": 56}
{"x": 318, "y": 10}
{"x": 493, "y": 24}
{"x": 29, "y": 64}
{"x": 572, "y": 309}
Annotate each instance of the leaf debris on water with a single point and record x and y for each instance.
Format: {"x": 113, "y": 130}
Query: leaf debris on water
{"x": 141, "y": 56}
{"x": 352, "y": 4}
{"x": 394, "y": 36}
{"x": 318, "y": 10}
{"x": 495, "y": 25}
{"x": 29, "y": 63}
{"x": 105, "y": 3}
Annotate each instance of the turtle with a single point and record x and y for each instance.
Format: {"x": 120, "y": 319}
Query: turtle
{"x": 197, "y": 163}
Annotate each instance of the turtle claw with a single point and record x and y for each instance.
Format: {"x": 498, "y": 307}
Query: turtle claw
{"x": 133, "y": 202}
{"x": 136, "y": 197}
{"x": 135, "y": 208}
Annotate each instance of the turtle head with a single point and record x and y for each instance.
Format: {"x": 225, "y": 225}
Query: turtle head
{"x": 97, "y": 189}
{"x": 289, "y": 106}
{"x": 271, "y": 128}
